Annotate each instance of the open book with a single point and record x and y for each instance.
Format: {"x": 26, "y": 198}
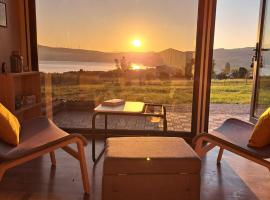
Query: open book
{"x": 113, "y": 102}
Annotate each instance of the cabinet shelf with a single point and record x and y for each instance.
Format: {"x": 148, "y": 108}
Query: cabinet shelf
{"x": 21, "y": 74}
{"x": 24, "y": 74}
{"x": 13, "y": 85}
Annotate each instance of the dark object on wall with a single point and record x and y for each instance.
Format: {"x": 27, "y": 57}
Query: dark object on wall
{"x": 18, "y": 102}
{"x": 3, "y": 15}
{"x": 16, "y": 61}
{"x": 4, "y": 68}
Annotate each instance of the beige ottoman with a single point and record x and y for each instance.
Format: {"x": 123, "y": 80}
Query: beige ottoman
{"x": 152, "y": 168}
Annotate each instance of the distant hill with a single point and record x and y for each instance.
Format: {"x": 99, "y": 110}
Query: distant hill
{"x": 64, "y": 54}
{"x": 236, "y": 57}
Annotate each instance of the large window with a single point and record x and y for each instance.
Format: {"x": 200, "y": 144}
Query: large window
{"x": 137, "y": 50}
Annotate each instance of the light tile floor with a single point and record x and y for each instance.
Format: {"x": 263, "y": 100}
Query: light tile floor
{"x": 179, "y": 118}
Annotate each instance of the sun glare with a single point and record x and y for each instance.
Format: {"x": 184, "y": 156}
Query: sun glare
{"x": 137, "y": 43}
{"x": 137, "y": 67}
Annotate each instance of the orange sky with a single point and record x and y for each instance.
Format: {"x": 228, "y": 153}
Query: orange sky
{"x": 111, "y": 25}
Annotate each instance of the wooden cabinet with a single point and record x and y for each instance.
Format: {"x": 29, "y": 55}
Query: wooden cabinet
{"x": 13, "y": 85}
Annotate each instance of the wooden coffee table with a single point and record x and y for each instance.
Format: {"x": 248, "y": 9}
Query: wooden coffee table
{"x": 130, "y": 109}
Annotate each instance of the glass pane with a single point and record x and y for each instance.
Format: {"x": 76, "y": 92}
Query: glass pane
{"x": 235, "y": 37}
{"x": 263, "y": 90}
{"x": 136, "y": 50}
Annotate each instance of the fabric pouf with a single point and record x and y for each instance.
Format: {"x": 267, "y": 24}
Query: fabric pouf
{"x": 150, "y": 168}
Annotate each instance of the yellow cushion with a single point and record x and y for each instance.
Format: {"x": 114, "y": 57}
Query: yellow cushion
{"x": 261, "y": 133}
{"x": 9, "y": 126}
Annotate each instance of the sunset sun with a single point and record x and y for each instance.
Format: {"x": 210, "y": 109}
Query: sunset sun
{"x": 137, "y": 43}
{"x": 137, "y": 67}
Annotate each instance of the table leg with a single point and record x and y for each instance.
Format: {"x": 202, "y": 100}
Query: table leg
{"x": 106, "y": 135}
{"x": 106, "y": 127}
{"x": 94, "y": 137}
{"x": 165, "y": 126}
{"x": 165, "y": 123}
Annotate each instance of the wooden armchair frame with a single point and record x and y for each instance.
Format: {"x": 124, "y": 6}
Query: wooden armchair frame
{"x": 233, "y": 136}
{"x": 11, "y": 160}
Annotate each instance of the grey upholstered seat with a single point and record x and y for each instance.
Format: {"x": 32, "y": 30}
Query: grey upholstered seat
{"x": 40, "y": 136}
{"x": 36, "y": 134}
{"x": 236, "y": 133}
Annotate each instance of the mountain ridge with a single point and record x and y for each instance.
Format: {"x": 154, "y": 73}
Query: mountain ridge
{"x": 237, "y": 57}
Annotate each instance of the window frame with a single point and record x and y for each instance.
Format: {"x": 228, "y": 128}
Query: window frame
{"x": 256, "y": 69}
{"x": 202, "y": 76}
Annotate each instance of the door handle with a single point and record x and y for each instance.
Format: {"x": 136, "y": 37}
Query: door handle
{"x": 255, "y": 57}
{"x": 263, "y": 49}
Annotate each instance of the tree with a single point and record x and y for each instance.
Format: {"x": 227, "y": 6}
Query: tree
{"x": 188, "y": 70}
{"x": 213, "y": 73}
{"x": 164, "y": 76}
{"x": 178, "y": 73}
{"x": 123, "y": 64}
{"x": 243, "y": 72}
{"x": 227, "y": 69}
{"x": 221, "y": 75}
{"x": 235, "y": 73}
{"x": 117, "y": 65}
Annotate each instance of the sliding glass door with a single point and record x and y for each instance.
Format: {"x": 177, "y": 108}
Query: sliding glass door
{"x": 231, "y": 83}
{"x": 261, "y": 89}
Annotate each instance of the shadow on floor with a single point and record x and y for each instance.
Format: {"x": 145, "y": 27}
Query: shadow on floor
{"x": 37, "y": 180}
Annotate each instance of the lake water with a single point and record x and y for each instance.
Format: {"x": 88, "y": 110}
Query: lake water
{"x": 67, "y": 66}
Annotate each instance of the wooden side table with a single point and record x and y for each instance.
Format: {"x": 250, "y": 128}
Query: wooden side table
{"x": 129, "y": 109}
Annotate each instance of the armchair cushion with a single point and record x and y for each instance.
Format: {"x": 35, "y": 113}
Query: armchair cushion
{"x": 261, "y": 133}
{"x": 36, "y": 134}
{"x": 9, "y": 126}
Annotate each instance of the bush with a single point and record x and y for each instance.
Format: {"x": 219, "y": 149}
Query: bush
{"x": 164, "y": 76}
{"x": 150, "y": 76}
{"x": 128, "y": 83}
{"x": 221, "y": 75}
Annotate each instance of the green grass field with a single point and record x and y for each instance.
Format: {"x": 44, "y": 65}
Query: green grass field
{"x": 235, "y": 91}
